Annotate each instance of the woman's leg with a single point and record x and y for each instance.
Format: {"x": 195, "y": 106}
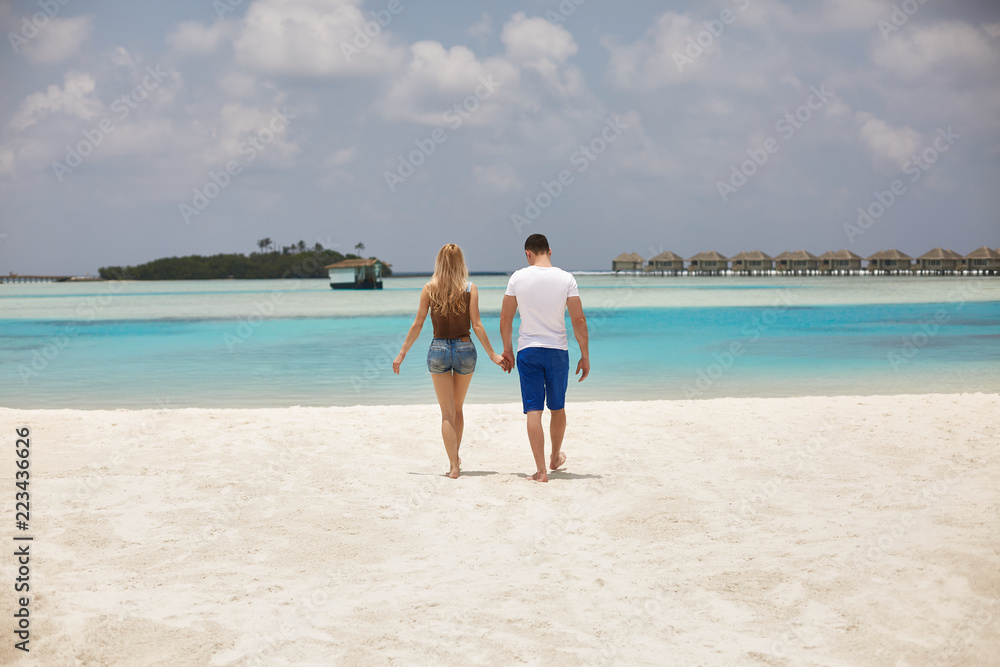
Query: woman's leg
{"x": 443, "y": 387}
{"x": 460, "y": 388}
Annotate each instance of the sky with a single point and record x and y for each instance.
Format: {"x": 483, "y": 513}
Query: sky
{"x": 132, "y": 131}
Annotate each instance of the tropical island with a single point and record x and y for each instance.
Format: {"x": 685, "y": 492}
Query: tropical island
{"x": 293, "y": 261}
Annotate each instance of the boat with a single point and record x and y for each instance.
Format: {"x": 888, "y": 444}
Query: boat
{"x": 356, "y": 274}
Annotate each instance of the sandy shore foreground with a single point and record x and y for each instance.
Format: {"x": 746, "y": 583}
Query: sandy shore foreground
{"x": 806, "y": 531}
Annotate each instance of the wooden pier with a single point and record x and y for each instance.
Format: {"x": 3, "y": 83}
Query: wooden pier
{"x": 14, "y": 278}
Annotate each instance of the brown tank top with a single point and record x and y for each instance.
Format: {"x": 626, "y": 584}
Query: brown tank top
{"x": 454, "y": 326}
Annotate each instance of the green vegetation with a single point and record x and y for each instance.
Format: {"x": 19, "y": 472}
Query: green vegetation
{"x": 294, "y": 261}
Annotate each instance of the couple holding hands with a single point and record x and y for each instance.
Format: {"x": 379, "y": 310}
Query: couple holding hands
{"x": 542, "y": 294}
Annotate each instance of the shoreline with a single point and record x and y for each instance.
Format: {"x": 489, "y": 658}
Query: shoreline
{"x": 570, "y": 404}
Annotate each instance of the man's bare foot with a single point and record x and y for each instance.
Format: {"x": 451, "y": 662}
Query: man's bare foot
{"x": 555, "y": 465}
{"x": 539, "y": 477}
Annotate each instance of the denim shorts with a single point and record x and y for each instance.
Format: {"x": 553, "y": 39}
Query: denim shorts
{"x": 451, "y": 354}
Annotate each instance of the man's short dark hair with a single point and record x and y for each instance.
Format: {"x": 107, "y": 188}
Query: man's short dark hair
{"x": 537, "y": 243}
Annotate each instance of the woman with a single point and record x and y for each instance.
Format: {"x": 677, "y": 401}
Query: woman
{"x": 453, "y": 303}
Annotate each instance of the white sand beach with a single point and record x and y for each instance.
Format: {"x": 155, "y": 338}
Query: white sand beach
{"x": 803, "y": 531}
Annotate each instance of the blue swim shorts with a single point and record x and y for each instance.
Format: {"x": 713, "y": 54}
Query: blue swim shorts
{"x": 451, "y": 354}
{"x": 544, "y": 373}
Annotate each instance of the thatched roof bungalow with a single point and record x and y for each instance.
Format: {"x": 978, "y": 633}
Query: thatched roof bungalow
{"x": 939, "y": 260}
{"x": 666, "y": 262}
{"x": 356, "y": 274}
{"x": 889, "y": 261}
{"x": 708, "y": 262}
{"x": 983, "y": 259}
{"x": 753, "y": 262}
{"x": 798, "y": 261}
{"x": 627, "y": 262}
{"x": 841, "y": 261}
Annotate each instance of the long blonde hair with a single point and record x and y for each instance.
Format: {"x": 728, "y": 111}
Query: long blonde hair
{"x": 446, "y": 286}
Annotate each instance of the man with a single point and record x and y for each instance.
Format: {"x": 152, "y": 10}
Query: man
{"x": 543, "y": 293}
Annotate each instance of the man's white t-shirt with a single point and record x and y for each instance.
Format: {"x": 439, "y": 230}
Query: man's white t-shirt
{"x": 541, "y": 293}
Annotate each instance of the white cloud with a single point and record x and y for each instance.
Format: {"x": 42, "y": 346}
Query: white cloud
{"x": 6, "y": 162}
{"x": 75, "y": 98}
{"x": 196, "y": 38}
{"x": 535, "y": 44}
{"x": 649, "y": 62}
{"x": 481, "y": 28}
{"x": 947, "y": 49}
{"x": 992, "y": 29}
{"x": 315, "y": 38}
{"x": 58, "y": 39}
{"x": 238, "y": 84}
{"x": 435, "y": 80}
{"x": 500, "y": 177}
{"x": 853, "y": 14}
{"x": 341, "y": 157}
{"x": 237, "y": 126}
{"x": 536, "y": 40}
{"x": 890, "y": 146}
{"x": 336, "y": 167}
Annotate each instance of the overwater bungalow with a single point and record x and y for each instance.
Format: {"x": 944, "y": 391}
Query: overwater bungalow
{"x": 666, "y": 262}
{"x": 889, "y": 261}
{"x": 939, "y": 260}
{"x": 983, "y": 260}
{"x": 708, "y": 263}
{"x": 841, "y": 261}
{"x": 799, "y": 261}
{"x": 356, "y": 274}
{"x": 627, "y": 262}
{"x": 753, "y": 262}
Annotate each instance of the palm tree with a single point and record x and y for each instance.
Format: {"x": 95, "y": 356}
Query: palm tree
{"x": 360, "y": 247}
{"x": 302, "y": 246}
{"x": 263, "y": 243}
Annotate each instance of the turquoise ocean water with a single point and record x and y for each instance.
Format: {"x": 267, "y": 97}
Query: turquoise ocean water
{"x": 283, "y": 343}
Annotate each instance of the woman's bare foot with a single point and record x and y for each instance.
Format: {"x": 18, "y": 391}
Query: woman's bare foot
{"x": 555, "y": 465}
{"x": 454, "y": 473}
{"x": 539, "y": 476}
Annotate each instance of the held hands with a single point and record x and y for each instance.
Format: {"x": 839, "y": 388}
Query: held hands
{"x": 508, "y": 358}
{"x": 500, "y": 361}
{"x": 583, "y": 365}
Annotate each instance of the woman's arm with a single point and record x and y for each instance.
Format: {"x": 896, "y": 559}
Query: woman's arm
{"x": 414, "y": 333}
{"x": 477, "y": 326}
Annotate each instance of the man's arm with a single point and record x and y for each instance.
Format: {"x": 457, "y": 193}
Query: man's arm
{"x": 507, "y": 311}
{"x": 579, "y": 320}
